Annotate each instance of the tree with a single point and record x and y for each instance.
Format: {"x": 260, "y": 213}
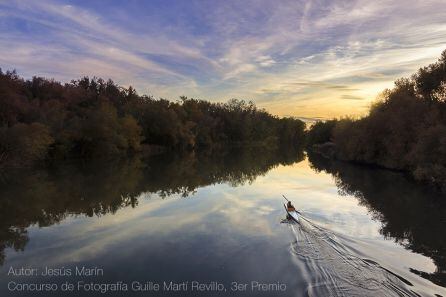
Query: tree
{"x": 405, "y": 130}
{"x": 23, "y": 144}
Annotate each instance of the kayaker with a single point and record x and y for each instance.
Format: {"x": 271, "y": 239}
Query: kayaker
{"x": 290, "y": 206}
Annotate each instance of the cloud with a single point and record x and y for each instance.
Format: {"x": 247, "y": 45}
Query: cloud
{"x": 81, "y": 43}
{"x": 311, "y": 119}
{"x": 351, "y": 97}
{"x": 305, "y": 60}
{"x": 323, "y": 53}
{"x": 322, "y": 84}
{"x": 265, "y": 61}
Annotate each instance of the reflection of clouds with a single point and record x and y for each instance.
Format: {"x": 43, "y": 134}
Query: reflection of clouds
{"x": 316, "y": 194}
{"x": 89, "y": 237}
{"x": 264, "y": 210}
{"x": 84, "y": 239}
{"x": 244, "y": 214}
{"x": 217, "y": 211}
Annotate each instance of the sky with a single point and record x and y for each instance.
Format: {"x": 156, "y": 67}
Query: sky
{"x": 309, "y": 59}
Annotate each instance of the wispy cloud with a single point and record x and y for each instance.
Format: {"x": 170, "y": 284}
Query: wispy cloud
{"x": 306, "y": 58}
{"x": 351, "y": 97}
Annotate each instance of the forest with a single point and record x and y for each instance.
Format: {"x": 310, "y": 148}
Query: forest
{"x": 43, "y": 120}
{"x": 405, "y": 128}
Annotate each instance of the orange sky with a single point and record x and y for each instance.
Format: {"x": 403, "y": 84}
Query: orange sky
{"x": 321, "y": 59}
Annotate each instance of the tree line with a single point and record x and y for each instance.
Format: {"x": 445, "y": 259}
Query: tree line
{"x": 43, "y": 119}
{"x": 404, "y": 130}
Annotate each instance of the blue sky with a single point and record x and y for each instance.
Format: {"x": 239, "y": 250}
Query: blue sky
{"x": 316, "y": 59}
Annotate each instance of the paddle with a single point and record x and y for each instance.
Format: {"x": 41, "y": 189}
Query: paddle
{"x": 301, "y": 215}
{"x": 289, "y": 201}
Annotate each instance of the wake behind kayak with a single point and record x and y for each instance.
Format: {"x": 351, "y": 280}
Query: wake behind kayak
{"x": 332, "y": 267}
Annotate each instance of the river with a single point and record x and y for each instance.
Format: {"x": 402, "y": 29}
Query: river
{"x": 213, "y": 224}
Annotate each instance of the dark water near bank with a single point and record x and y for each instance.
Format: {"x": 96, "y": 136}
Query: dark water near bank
{"x": 218, "y": 219}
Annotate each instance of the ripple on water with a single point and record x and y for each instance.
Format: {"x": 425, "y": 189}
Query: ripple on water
{"x": 336, "y": 271}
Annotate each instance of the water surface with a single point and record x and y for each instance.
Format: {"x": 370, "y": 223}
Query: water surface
{"x": 219, "y": 219}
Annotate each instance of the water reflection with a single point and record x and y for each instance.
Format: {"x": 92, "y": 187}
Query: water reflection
{"x": 232, "y": 221}
{"x": 412, "y": 215}
{"x": 46, "y": 197}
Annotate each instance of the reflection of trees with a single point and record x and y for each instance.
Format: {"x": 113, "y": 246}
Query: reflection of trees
{"x": 411, "y": 214}
{"x": 183, "y": 174}
{"x": 46, "y": 197}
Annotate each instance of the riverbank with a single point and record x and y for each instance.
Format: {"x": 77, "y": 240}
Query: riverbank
{"x": 404, "y": 130}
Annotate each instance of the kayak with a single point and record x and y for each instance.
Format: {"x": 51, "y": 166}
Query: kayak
{"x": 292, "y": 214}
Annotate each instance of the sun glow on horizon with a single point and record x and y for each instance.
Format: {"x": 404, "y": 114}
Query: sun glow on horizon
{"x": 300, "y": 58}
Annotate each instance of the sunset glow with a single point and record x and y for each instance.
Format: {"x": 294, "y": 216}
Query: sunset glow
{"x": 312, "y": 59}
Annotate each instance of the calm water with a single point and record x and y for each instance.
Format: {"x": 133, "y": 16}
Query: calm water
{"x": 218, "y": 219}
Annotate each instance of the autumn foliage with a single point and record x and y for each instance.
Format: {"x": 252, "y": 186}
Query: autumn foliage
{"x": 405, "y": 130}
{"x": 42, "y": 119}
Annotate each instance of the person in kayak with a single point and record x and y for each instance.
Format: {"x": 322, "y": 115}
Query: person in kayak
{"x": 290, "y": 206}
